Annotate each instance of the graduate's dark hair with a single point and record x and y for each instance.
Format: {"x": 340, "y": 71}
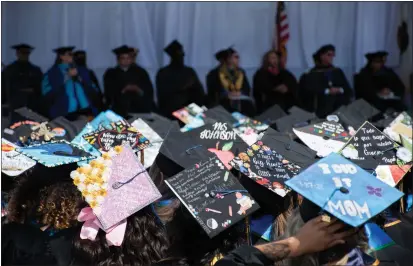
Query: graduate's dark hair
{"x": 43, "y": 183}
{"x": 265, "y": 62}
{"x": 296, "y": 222}
{"x": 145, "y": 243}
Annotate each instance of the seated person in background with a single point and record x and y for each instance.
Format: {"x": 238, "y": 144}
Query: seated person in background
{"x": 128, "y": 88}
{"x": 273, "y": 84}
{"x": 68, "y": 89}
{"x": 228, "y": 84}
{"x": 210, "y": 78}
{"x": 379, "y": 85}
{"x": 324, "y": 88}
{"x": 177, "y": 85}
{"x": 21, "y": 81}
{"x": 80, "y": 58}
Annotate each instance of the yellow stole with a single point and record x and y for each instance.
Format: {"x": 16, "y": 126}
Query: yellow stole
{"x": 226, "y": 80}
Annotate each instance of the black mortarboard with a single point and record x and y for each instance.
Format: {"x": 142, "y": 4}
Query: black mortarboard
{"x": 231, "y": 51}
{"x": 288, "y": 148}
{"x": 401, "y": 230}
{"x": 63, "y": 128}
{"x": 64, "y": 49}
{"x": 22, "y": 46}
{"x": 297, "y": 118}
{"x": 124, "y": 49}
{"x": 383, "y": 53}
{"x": 356, "y": 113}
{"x": 221, "y": 55}
{"x": 218, "y": 201}
{"x": 302, "y": 113}
{"x": 322, "y": 50}
{"x": 179, "y": 151}
{"x": 270, "y": 115}
{"x": 219, "y": 114}
{"x": 174, "y": 48}
{"x": 79, "y": 52}
{"x": 371, "y": 56}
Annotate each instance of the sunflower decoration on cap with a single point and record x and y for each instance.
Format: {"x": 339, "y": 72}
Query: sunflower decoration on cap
{"x": 92, "y": 179}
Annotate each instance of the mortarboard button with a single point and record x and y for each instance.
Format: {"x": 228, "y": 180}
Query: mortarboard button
{"x": 344, "y": 190}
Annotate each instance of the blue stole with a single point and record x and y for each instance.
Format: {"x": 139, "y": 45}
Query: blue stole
{"x": 65, "y": 95}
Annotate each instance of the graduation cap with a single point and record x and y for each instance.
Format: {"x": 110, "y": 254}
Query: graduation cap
{"x": 64, "y": 49}
{"x": 13, "y": 163}
{"x": 401, "y": 230}
{"x": 155, "y": 140}
{"x": 371, "y": 56}
{"x": 356, "y": 113}
{"x": 219, "y": 138}
{"x": 179, "y": 151}
{"x": 124, "y": 49}
{"x": 270, "y": 115}
{"x": 375, "y": 152}
{"x": 291, "y": 150}
{"x": 383, "y": 53}
{"x": 174, "y": 48}
{"x": 120, "y": 132}
{"x": 324, "y": 137}
{"x": 218, "y": 201}
{"x": 266, "y": 167}
{"x": 219, "y": 114}
{"x": 295, "y": 110}
{"x": 23, "y": 47}
{"x": 322, "y": 50}
{"x": 122, "y": 189}
{"x": 62, "y": 128}
{"x": 221, "y": 55}
{"x": 400, "y": 129}
{"x": 55, "y": 153}
{"x": 79, "y": 53}
{"x": 342, "y": 189}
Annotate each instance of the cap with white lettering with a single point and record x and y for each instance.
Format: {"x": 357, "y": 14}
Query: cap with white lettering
{"x": 342, "y": 189}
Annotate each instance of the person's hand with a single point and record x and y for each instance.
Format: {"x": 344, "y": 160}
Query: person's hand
{"x": 72, "y": 72}
{"x": 317, "y": 235}
{"x": 234, "y": 94}
{"x": 281, "y": 89}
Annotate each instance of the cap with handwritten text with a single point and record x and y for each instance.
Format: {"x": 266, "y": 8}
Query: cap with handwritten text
{"x": 344, "y": 190}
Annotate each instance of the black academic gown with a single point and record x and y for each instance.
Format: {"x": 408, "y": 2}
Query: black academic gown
{"x": 116, "y": 79}
{"x": 178, "y": 86}
{"x": 21, "y": 83}
{"x": 218, "y": 92}
{"x": 26, "y": 245}
{"x": 265, "y": 96}
{"x": 367, "y": 84}
{"x": 313, "y": 86}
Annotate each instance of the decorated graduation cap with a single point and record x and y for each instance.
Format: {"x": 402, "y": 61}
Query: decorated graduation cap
{"x": 324, "y": 49}
{"x": 174, "y": 48}
{"x": 324, "y": 137}
{"x": 220, "y": 139}
{"x": 64, "y": 49}
{"x": 115, "y": 186}
{"x": 375, "y": 152}
{"x": 291, "y": 150}
{"x": 23, "y": 47}
{"x": 218, "y": 201}
{"x": 160, "y": 124}
{"x": 13, "y": 163}
{"x": 400, "y": 129}
{"x": 342, "y": 189}
{"x": 124, "y": 49}
{"x": 270, "y": 115}
{"x": 266, "y": 167}
{"x": 22, "y": 125}
{"x": 55, "y": 153}
{"x": 155, "y": 142}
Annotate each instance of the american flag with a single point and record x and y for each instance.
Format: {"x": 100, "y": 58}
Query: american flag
{"x": 282, "y": 34}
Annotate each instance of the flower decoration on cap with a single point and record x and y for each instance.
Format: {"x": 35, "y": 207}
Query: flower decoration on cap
{"x": 92, "y": 179}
